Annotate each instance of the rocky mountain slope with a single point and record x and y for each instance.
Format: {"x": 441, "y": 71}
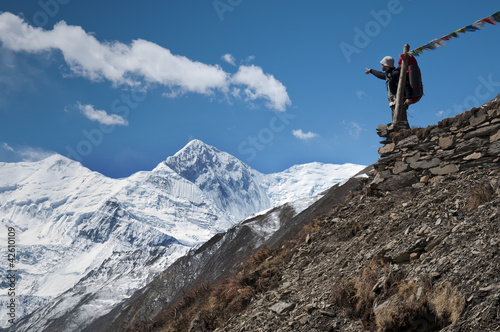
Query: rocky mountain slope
{"x": 412, "y": 247}
{"x": 407, "y": 260}
{"x": 87, "y": 242}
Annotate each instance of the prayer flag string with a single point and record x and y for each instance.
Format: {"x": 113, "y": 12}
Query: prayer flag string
{"x": 478, "y": 25}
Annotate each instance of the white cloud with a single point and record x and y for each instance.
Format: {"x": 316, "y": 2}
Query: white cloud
{"x": 229, "y": 59}
{"x": 301, "y": 135}
{"x": 23, "y": 153}
{"x": 139, "y": 63}
{"x": 353, "y": 128}
{"x": 114, "y": 61}
{"x": 173, "y": 93}
{"x": 236, "y": 93}
{"x": 101, "y": 116}
{"x": 250, "y": 58}
{"x": 260, "y": 85}
{"x": 33, "y": 154}
{"x": 442, "y": 113}
{"x": 360, "y": 94}
{"x": 7, "y": 147}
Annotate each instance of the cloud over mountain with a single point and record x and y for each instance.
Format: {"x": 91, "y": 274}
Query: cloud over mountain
{"x": 101, "y": 116}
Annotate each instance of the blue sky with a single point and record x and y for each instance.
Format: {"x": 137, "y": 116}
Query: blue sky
{"x": 121, "y": 85}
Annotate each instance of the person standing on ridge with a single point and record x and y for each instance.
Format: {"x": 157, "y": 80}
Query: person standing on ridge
{"x": 391, "y": 75}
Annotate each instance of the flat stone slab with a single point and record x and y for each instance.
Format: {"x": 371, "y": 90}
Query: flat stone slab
{"x": 444, "y": 170}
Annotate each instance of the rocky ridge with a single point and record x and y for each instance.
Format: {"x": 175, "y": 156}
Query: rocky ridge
{"x": 413, "y": 248}
{"x": 467, "y": 140}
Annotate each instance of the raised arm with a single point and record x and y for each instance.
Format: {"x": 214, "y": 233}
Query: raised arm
{"x": 376, "y": 73}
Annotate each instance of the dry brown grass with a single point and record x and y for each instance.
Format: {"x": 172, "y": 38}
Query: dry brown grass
{"x": 480, "y": 194}
{"x": 257, "y": 259}
{"x": 420, "y": 305}
{"x": 232, "y": 295}
{"x": 364, "y": 285}
{"x": 385, "y": 302}
{"x": 357, "y": 297}
{"x": 348, "y": 230}
{"x": 206, "y": 307}
{"x": 258, "y": 274}
{"x": 421, "y": 133}
{"x": 405, "y": 308}
{"x": 182, "y": 313}
{"x": 343, "y": 295}
{"x": 308, "y": 229}
{"x": 447, "y": 303}
{"x": 400, "y": 135}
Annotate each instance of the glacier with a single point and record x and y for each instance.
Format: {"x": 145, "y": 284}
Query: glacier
{"x": 86, "y": 242}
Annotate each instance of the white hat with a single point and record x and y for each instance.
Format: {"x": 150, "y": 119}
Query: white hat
{"x": 387, "y": 61}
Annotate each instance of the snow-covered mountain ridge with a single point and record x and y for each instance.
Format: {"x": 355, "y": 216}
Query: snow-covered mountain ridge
{"x": 83, "y": 237}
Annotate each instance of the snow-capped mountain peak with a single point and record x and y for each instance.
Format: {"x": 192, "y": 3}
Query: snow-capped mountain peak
{"x": 231, "y": 184}
{"x": 87, "y": 238}
{"x": 197, "y": 158}
{"x": 193, "y": 145}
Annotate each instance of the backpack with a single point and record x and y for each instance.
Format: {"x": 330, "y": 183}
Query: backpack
{"x": 414, "y": 77}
